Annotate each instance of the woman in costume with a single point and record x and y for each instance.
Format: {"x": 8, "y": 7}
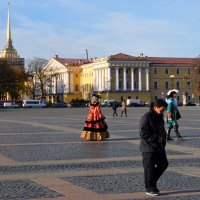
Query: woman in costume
{"x": 95, "y": 126}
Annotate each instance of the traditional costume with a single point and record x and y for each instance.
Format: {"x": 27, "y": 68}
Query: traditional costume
{"x": 95, "y": 126}
{"x": 172, "y": 115}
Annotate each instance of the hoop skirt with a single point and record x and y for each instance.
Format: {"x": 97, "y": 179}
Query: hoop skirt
{"x": 95, "y": 126}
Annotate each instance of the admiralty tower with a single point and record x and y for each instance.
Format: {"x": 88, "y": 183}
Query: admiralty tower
{"x": 9, "y": 53}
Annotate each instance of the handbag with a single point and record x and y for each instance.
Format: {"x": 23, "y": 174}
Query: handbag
{"x": 178, "y": 115}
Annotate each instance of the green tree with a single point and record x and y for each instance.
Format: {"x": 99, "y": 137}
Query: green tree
{"x": 11, "y": 81}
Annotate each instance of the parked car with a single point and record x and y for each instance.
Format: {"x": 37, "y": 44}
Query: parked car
{"x": 137, "y": 105}
{"x": 190, "y": 103}
{"x": 76, "y": 105}
{"x": 59, "y": 105}
{"x": 10, "y": 105}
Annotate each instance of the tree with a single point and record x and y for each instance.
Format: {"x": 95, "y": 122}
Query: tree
{"x": 11, "y": 81}
{"x": 38, "y": 76}
{"x": 196, "y": 78}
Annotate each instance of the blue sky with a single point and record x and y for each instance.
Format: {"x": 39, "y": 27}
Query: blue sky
{"x": 168, "y": 28}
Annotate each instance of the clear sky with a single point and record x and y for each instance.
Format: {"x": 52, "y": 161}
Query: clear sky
{"x": 44, "y": 28}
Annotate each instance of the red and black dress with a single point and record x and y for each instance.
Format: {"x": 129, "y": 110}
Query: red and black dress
{"x": 95, "y": 126}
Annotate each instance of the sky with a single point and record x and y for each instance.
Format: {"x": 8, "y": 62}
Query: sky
{"x": 156, "y": 28}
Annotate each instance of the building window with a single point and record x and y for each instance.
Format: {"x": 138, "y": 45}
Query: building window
{"x": 178, "y": 85}
{"x": 155, "y": 85}
{"x": 155, "y": 70}
{"x": 166, "y": 85}
{"x": 178, "y": 98}
{"x": 166, "y": 71}
{"x": 189, "y": 71}
{"x": 76, "y": 75}
{"x": 177, "y": 71}
{"x": 76, "y": 87}
{"x": 156, "y": 97}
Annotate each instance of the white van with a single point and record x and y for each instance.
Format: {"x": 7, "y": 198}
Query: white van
{"x": 108, "y": 102}
{"x": 34, "y": 103}
{"x": 134, "y": 102}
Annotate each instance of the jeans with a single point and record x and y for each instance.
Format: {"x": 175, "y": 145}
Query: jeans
{"x": 154, "y": 163}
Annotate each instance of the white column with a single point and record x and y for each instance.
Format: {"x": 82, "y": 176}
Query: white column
{"x": 94, "y": 79}
{"x": 132, "y": 79}
{"x": 100, "y": 80}
{"x": 109, "y": 79}
{"x": 117, "y": 78}
{"x": 147, "y": 79}
{"x": 97, "y": 80}
{"x": 140, "y": 79}
{"x": 124, "y": 78}
{"x": 103, "y": 79}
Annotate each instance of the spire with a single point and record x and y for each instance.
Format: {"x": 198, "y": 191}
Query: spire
{"x": 9, "y": 51}
{"x": 8, "y": 38}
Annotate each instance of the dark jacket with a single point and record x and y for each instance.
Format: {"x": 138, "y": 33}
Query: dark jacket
{"x": 151, "y": 129}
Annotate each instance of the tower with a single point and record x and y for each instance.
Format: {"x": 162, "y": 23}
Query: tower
{"x": 9, "y": 53}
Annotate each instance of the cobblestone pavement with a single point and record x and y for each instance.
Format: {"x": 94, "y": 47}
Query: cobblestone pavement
{"x": 43, "y": 158}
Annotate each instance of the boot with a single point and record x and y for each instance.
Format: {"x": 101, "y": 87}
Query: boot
{"x": 168, "y": 135}
{"x": 178, "y": 135}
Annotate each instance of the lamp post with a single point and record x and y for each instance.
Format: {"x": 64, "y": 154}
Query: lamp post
{"x": 172, "y": 80}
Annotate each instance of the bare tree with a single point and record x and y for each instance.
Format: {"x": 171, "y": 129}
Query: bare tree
{"x": 196, "y": 78}
{"x": 37, "y": 76}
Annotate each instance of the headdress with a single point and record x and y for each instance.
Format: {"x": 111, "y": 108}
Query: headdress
{"x": 173, "y": 90}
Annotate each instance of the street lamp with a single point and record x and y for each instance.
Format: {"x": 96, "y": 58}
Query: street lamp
{"x": 172, "y": 78}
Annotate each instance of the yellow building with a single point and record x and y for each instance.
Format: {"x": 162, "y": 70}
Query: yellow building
{"x": 64, "y": 79}
{"x": 122, "y": 76}
{"x": 117, "y": 77}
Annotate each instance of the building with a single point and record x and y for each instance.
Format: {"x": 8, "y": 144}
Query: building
{"x": 64, "y": 79}
{"x": 9, "y": 53}
{"x": 123, "y": 76}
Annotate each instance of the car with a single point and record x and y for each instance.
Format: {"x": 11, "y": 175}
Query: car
{"x": 10, "y": 105}
{"x": 59, "y": 105}
{"x": 76, "y": 105}
{"x": 190, "y": 103}
{"x": 137, "y": 105}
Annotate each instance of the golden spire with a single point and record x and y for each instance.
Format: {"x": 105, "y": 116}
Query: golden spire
{"x": 9, "y": 51}
{"x": 8, "y": 38}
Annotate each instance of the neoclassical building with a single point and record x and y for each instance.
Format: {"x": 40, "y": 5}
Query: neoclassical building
{"x": 64, "y": 79}
{"x": 116, "y": 77}
{"x": 122, "y": 76}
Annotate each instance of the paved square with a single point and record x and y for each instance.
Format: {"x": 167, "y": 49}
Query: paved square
{"x": 42, "y": 157}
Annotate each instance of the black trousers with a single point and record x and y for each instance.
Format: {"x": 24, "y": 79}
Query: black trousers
{"x": 155, "y": 163}
{"x": 115, "y": 112}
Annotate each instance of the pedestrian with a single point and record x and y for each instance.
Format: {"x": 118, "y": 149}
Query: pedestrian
{"x": 114, "y": 107}
{"x": 152, "y": 145}
{"x": 95, "y": 126}
{"x": 173, "y": 114}
{"x": 124, "y": 108}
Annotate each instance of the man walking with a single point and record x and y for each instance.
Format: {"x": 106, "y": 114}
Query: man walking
{"x": 114, "y": 107}
{"x": 152, "y": 145}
